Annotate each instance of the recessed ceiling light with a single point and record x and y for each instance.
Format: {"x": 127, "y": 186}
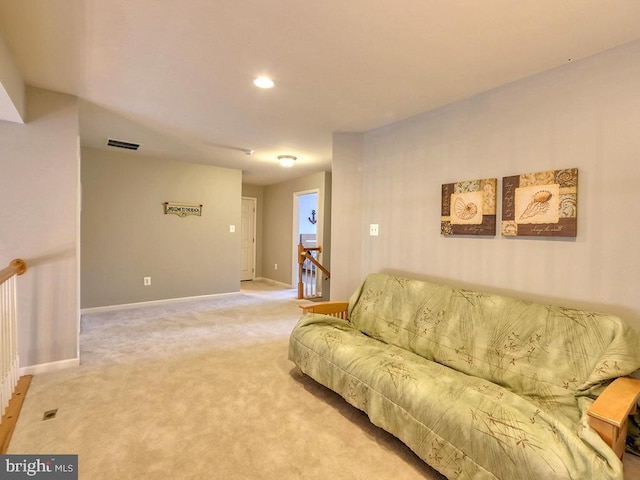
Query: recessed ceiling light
{"x": 263, "y": 82}
{"x": 287, "y": 161}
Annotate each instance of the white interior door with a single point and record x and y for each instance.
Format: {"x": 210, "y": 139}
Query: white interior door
{"x": 248, "y": 238}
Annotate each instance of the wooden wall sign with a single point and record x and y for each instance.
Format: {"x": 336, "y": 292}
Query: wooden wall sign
{"x": 469, "y": 207}
{"x": 542, "y": 204}
{"x": 182, "y": 209}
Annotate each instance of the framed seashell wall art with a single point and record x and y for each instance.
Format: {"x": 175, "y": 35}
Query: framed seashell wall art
{"x": 469, "y": 207}
{"x": 542, "y": 204}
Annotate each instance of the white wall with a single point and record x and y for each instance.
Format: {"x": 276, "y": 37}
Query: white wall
{"x": 585, "y": 115}
{"x": 308, "y": 203}
{"x": 39, "y": 193}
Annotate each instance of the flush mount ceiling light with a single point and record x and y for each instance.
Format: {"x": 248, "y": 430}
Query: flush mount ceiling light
{"x": 263, "y": 82}
{"x": 287, "y": 161}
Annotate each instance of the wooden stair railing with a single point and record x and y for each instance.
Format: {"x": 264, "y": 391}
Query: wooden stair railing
{"x": 12, "y": 388}
{"x": 306, "y": 254}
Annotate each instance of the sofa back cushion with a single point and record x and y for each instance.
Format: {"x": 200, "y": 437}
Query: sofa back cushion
{"x": 536, "y": 350}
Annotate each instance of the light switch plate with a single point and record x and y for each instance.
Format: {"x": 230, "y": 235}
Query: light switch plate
{"x": 373, "y": 229}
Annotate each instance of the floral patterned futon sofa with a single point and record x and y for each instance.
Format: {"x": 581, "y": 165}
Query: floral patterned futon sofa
{"x": 478, "y": 385}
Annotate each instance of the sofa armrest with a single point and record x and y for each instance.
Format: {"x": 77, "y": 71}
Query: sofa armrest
{"x": 609, "y": 413}
{"x": 335, "y": 309}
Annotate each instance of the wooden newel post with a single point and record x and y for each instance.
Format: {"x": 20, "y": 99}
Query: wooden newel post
{"x": 303, "y": 255}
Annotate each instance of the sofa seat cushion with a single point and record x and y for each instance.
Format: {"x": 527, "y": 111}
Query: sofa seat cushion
{"x": 464, "y": 426}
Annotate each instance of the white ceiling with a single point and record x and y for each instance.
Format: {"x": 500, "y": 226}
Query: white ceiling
{"x": 176, "y": 76}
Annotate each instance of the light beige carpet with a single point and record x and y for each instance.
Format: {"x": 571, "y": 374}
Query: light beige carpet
{"x": 203, "y": 390}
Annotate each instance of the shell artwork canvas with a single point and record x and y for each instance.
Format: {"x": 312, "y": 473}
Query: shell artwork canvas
{"x": 469, "y": 207}
{"x": 542, "y": 204}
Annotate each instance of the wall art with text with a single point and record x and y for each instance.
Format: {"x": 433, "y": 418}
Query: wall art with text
{"x": 541, "y": 204}
{"x": 469, "y": 207}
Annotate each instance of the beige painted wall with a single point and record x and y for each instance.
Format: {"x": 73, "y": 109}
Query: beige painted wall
{"x": 126, "y": 236}
{"x": 585, "y": 114}
{"x": 347, "y": 216}
{"x": 39, "y": 192}
{"x": 278, "y": 223}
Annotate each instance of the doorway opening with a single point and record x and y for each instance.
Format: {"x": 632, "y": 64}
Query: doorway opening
{"x": 307, "y": 229}
{"x": 248, "y": 239}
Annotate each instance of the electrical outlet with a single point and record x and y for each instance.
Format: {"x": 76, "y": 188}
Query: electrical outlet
{"x": 275, "y": 266}
{"x": 147, "y": 281}
{"x": 373, "y": 229}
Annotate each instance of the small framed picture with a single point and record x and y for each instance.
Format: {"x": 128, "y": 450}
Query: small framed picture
{"x": 541, "y": 204}
{"x": 469, "y": 207}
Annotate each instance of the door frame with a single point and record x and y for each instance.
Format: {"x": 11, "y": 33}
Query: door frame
{"x": 296, "y": 228}
{"x": 254, "y": 200}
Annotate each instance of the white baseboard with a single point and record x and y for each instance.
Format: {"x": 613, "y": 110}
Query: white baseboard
{"x": 268, "y": 280}
{"x": 125, "y": 306}
{"x": 49, "y": 367}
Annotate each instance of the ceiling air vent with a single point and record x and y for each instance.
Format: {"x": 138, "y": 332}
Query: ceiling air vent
{"x": 120, "y": 144}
